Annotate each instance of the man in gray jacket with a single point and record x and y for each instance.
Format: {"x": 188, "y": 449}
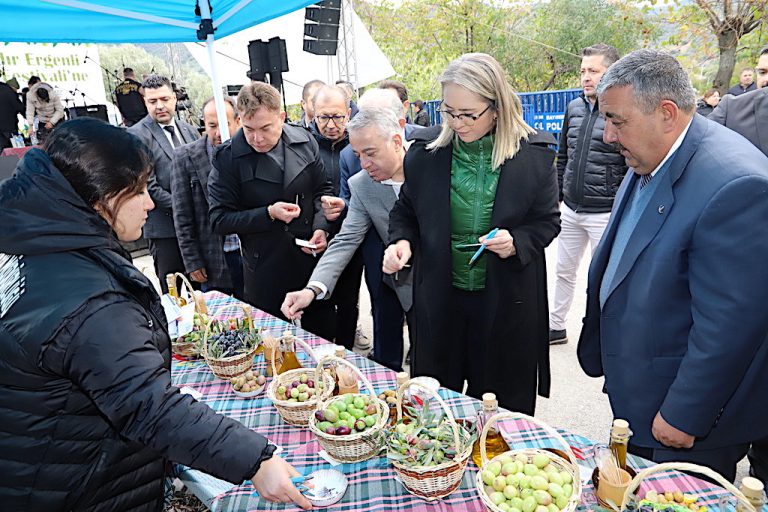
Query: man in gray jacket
{"x": 589, "y": 173}
{"x": 747, "y": 114}
{"x": 162, "y": 133}
{"x": 376, "y": 136}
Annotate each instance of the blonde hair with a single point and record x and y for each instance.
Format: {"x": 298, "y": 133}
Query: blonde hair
{"x": 255, "y": 95}
{"x": 482, "y": 74}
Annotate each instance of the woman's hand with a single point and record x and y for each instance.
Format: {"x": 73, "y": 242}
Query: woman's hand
{"x": 396, "y": 256}
{"x": 273, "y": 481}
{"x": 502, "y": 244}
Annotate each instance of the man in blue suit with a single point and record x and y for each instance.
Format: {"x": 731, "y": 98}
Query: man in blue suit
{"x": 677, "y": 287}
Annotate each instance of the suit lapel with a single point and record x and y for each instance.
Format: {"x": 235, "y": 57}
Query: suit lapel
{"x": 199, "y": 158}
{"x": 295, "y": 163}
{"x": 159, "y": 136}
{"x": 761, "y": 116}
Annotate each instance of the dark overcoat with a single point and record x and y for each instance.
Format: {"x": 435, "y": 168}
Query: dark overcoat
{"x": 512, "y": 336}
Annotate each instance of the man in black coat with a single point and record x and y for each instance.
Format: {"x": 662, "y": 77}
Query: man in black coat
{"x": 589, "y": 173}
{"x": 265, "y": 185}
{"x": 129, "y": 95}
{"x": 211, "y": 260}
{"x": 10, "y": 108}
{"x": 162, "y": 133}
{"x": 746, "y": 83}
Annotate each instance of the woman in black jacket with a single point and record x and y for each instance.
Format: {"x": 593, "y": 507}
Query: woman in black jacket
{"x": 482, "y": 321}
{"x": 89, "y": 415}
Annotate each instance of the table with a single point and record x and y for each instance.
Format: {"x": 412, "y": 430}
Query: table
{"x": 373, "y": 485}
{"x": 17, "y": 152}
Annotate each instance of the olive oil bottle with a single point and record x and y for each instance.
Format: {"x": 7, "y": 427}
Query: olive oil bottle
{"x": 288, "y": 348}
{"x": 494, "y": 441}
{"x": 620, "y": 435}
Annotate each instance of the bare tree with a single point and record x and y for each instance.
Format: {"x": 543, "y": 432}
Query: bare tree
{"x": 730, "y": 21}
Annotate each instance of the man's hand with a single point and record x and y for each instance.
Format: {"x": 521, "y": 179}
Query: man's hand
{"x": 396, "y": 256}
{"x": 296, "y": 302}
{"x": 199, "y": 275}
{"x": 273, "y": 481}
{"x": 668, "y": 435}
{"x": 502, "y": 244}
{"x": 320, "y": 240}
{"x": 285, "y": 212}
{"x": 332, "y": 207}
{"x": 49, "y": 125}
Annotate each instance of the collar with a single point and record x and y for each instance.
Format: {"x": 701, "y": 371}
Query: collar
{"x": 172, "y": 123}
{"x": 674, "y": 147}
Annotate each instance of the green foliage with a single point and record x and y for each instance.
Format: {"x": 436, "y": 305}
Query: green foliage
{"x": 538, "y": 44}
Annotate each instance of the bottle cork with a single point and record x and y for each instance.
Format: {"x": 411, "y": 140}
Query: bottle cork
{"x": 339, "y": 351}
{"x": 620, "y": 427}
{"x": 402, "y": 378}
{"x": 489, "y": 401}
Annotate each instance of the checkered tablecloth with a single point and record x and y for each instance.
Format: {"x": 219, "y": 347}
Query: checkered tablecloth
{"x": 373, "y": 485}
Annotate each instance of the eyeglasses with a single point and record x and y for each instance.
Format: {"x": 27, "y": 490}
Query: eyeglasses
{"x": 337, "y": 120}
{"x": 467, "y": 119}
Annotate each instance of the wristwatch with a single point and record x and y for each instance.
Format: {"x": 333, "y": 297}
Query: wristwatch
{"x": 314, "y": 289}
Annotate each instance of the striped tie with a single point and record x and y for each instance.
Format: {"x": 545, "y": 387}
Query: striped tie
{"x": 644, "y": 180}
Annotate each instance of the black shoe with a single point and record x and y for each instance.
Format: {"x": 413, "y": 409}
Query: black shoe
{"x": 557, "y": 337}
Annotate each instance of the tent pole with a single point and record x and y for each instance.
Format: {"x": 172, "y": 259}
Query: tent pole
{"x": 218, "y": 92}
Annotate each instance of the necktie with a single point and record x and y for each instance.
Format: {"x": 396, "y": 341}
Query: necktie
{"x": 644, "y": 180}
{"x": 174, "y": 139}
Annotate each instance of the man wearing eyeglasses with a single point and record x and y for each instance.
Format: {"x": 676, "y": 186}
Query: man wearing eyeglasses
{"x": 331, "y": 106}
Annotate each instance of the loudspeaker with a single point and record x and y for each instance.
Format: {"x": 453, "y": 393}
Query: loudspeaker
{"x": 232, "y": 90}
{"x": 277, "y": 55}
{"x": 258, "y": 58}
{"x": 322, "y": 26}
{"x": 95, "y": 111}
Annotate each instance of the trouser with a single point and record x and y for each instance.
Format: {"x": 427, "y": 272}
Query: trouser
{"x": 5, "y": 140}
{"x": 345, "y": 298}
{"x": 758, "y": 460}
{"x": 386, "y": 309}
{"x": 722, "y": 460}
{"x": 576, "y": 230}
{"x": 167, "y": 258}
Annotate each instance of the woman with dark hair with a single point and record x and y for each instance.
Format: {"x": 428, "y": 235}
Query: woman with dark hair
{"x": 90, "y": 418}
{"x": 707, "y": 104}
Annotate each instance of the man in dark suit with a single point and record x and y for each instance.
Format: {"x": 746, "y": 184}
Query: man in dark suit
{"x": 748, "y": 114}
{"x": 676, "y": 292}
{"x": 162, "y": 132}
{"x": 265, "y": 185}
{"x": 10, "y": 108}
{"x": 211, "y": 260}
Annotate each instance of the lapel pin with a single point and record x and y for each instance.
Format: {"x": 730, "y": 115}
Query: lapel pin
{"x": 661, "y": 208}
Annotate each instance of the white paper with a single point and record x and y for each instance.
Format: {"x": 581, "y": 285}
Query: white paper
{"x": 305, "y": 243}
{"x": 186, "y": 390}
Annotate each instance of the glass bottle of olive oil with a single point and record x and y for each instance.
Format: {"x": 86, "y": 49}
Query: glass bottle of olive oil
{"x": 288, "y": 348}
{"x": 620, "y": 435}
{"x": 494, "y": 441}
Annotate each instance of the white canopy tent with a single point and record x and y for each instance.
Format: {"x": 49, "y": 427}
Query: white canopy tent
{"x": 231, "y": 67}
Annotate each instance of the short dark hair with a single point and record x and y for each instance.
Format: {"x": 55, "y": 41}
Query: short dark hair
{"x": 764, "y": 51}
{"x": 710, "y": 92}
{"x": 154, "y": 81}
{"x": 609, "y": 53}
{"x": 127, "y": 71}
{"x": 33, "y": 80}
{"x": 308, "y": 88}
{"x": 418, "y": 104}
{"x": 227, "y": 99}
{"x": 100, "y": 161}
{"x": 256, "y": 95}
{"x": 399, "y": 87}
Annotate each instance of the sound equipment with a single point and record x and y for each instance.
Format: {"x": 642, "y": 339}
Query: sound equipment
{"x": 232, "y": 90}
{"x": 96, "y": 111}
{"x": 268, "y": 57}
{"x": 321, "y": 27}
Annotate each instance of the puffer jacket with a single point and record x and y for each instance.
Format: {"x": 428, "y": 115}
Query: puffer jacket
{"x": 51, "y": 110}
{"x": 88, "y": 415}
{"x": 589, "y": 171}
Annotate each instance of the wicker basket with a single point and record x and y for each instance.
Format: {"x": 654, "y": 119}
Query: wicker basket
{"x": 357, "y": 446}
{"x": 232, "y": 366}
{"x": 630, "y": 496}
{"x": 189, "y": 349}
{"x": 562, "y": 464}
{"x": 433, "y": 482}
{"x": 298, "y": 413}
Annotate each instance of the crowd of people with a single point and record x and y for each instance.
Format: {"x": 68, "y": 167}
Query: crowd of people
{"x": 447, "y": 224}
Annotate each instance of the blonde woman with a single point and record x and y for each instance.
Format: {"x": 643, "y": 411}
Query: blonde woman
{"x": 483, "y": 322}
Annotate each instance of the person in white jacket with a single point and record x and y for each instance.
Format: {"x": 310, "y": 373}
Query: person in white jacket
{"x": 43, "y": 102}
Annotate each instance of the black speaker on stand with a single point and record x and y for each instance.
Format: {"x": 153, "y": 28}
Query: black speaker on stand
{"x": 321, "y": 27}
{"x": 268, "y": 58}
{"x": 95, "y": 111}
